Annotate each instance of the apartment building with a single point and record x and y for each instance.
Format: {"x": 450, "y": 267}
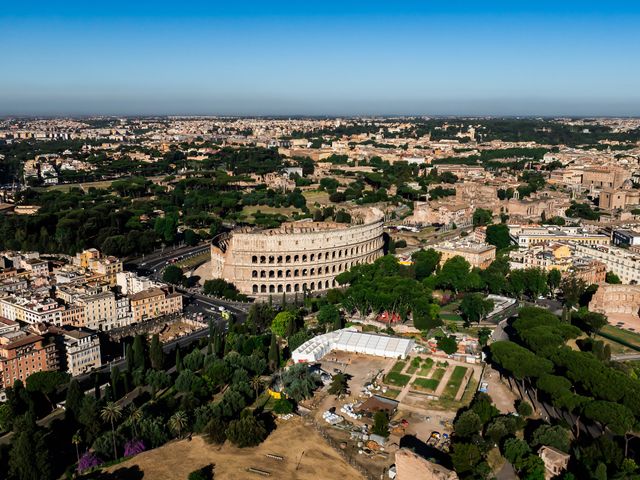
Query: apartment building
{"x": 22, "y": 354}
{"x": 99, "y": 310}
{"x": 477, "y": 254}
{"x": 153, "y": 303}
{"x": 31, "y": 309}
{"x": 82, "y": 351}
{"x": 624, "y": 263}
{"x": 526, "y": 236}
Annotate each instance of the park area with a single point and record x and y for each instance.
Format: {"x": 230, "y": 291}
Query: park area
{"x": 303, "y": 452}
{"x": 431, "y": 383}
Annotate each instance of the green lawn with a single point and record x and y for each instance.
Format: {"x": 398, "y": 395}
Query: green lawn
{"x": 438, "y": 374}
{"x": 426, "y": 368}
{"x": 391, "y": 393}
{"x": 453, "y": 385}
{"x": 429, "y": 384}
{"x": 398, "y": 367}
{"x": 415, "y": 365}
{"x": 397, "y": 379}
{"x": 449, "y": 312}
{"x": 615, "y": 333}
{"x": 313, "y": 196}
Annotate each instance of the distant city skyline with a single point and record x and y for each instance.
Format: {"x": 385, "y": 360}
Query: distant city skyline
{"x": 332, "y": 58}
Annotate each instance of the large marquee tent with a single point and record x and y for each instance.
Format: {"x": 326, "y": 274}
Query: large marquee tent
{"x": 350, "y": 340}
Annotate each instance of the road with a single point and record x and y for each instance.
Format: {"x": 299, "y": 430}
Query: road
{"x": 154, "y": 262}
{"x": 625, "y": 356}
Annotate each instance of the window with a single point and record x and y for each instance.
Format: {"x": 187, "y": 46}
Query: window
{"x": 255, "y": 289}
{"x": 254, "y": 274}
{"x": 254, "y": 259}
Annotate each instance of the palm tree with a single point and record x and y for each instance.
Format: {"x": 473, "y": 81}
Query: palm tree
{"x": 76, "y": 440}
{"x": 178, "y": 422}
{"x": 111, "y": 413}
{"x": 135, "y": 415}
{"x": 256, "y": 384}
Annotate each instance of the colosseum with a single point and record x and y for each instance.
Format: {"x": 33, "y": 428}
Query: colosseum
{"x": 299, "y": 257}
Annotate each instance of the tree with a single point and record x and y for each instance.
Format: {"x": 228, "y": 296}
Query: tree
{"x": 281, "y": 321}
{"x": 426, "y": 315}
{"x": 498, "y": 235}
{"x": 338, "y": 384}
{"x": 425, "y": 263}
{"x": 515, "y": 450}
{"x": 572, "y": 289}
{"x": 612, "y": 278}
{"x": 29, "y": 457}
{"x": 178, "y": 422}
{"x": 111, "y": 413}
{"x": 283, "y": 406}
{"x": 174, "y": 275}
{"x": 381, "y": 423}
{"x": 215, "y": 431}
{"x": 524, "y": 409}
{"x": 76, "y": 439}
{"x": 178, "y": 359}
{"x": 467, "y": 424}
{"x": 156, "y": 355}
{"x": 448, "y": 344}
{"x": 256, "y": 385}
{"x": 555, "y": 436}
{"x": 474, "y": 308}
{"x": 554, "y": 278}
{"x": 274, "y": 354}
{"x": 139, "y": 352}
{"x": 590, "y": 322}
{"x": 482, "y": 217}
{"x": 454, "y": 274}
{"x": 483, "y": 336}
{"x": 328, "y": 314}
{"x": 46, "y": 383}
{"x": 465, "y": 457}
{"x": 73, "y": 402}
{"x": 248, "y": 431}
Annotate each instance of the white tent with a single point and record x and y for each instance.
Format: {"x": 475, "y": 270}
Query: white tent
{"x": 350, "y": 340}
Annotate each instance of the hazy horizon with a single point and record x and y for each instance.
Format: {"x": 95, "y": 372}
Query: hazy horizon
{"x": 330, "y": 59}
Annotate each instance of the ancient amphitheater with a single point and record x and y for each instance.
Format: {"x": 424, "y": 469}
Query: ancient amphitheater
{"x": 298, "y": 257}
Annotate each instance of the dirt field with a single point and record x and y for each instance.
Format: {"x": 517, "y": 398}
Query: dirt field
{"x": 176, "y": 460}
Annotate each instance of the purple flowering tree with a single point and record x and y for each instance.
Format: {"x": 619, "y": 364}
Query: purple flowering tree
{"x": 133, "y": 447}
{"x": 88, "y": 460}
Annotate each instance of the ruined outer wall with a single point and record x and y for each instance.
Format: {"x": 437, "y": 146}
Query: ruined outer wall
{"x": 294, "y": 259}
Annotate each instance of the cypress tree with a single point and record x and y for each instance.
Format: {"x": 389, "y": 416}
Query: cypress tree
{"x": 129, "y": 356}
{"x": 115, "y": 379}
{"x": 139, "y": 352}
{"x": 218, "y": 344}
{"x": 178, "y": 359}
{"x": 156, "y": 354}
{"x": 274, "y": 354}
{"x": 73, "y": 402}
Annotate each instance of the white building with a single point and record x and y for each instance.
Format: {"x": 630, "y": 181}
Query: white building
{"x": 350, "y": 340}
{"x": 624, "y": 263}
{"x": 82, "y": 350}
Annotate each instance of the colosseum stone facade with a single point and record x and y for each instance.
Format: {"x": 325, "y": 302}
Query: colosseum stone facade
{"x": 298, "y": 257}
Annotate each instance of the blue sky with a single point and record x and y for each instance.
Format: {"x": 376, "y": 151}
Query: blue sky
{"x": 321, "y": 58}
